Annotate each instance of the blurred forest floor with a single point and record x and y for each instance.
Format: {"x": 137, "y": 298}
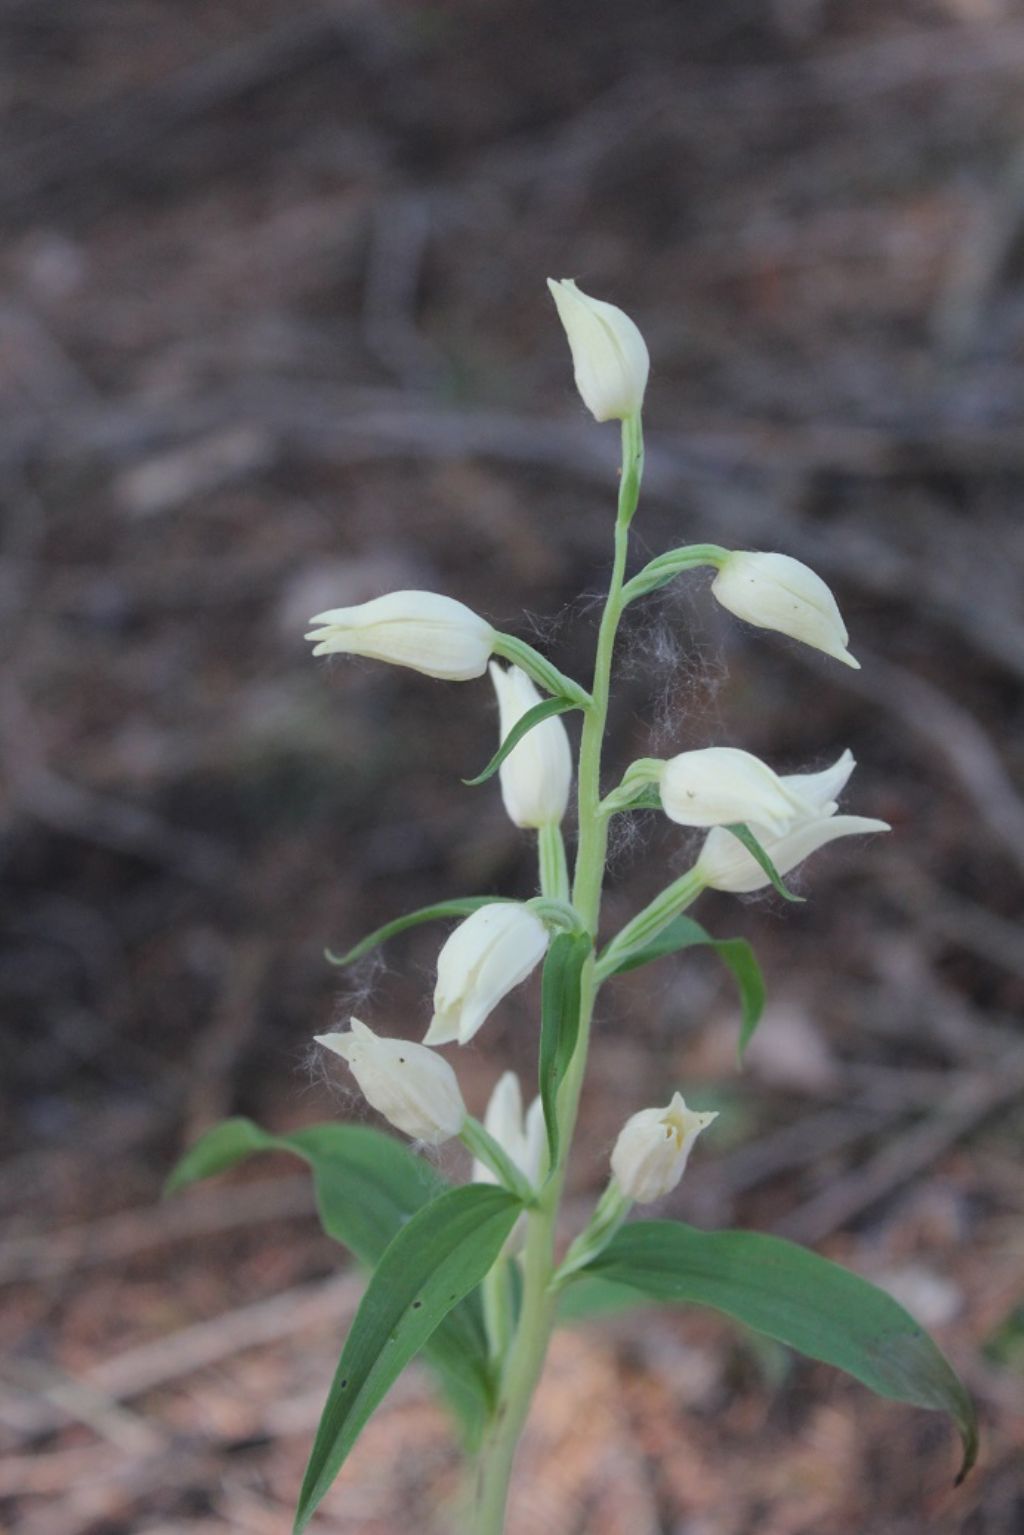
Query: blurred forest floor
{"x": 274, "y": 337}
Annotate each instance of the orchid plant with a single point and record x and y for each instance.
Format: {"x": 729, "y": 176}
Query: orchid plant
{"x": 476, "y": 1277}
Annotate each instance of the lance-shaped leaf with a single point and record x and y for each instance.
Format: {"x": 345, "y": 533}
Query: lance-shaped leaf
{"x": 799, "y": 1298}
{"x": 587, "y": 1296}
{"x": 535, "y": 716}
{"x": 437, "y": 1259}
{"x": 560, "y": 1022}
{"x": 743, "y": 834}
{"x": 368, "y": 1186}
{"x": 737, "y": 953}
{"x": 461, "y": 906}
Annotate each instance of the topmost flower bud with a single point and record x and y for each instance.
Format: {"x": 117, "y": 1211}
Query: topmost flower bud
{"x": 430, "y": 633}
{"x": 609, "y": 355}
{"x": 777, "y": 592}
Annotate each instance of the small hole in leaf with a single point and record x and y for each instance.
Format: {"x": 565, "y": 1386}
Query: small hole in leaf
{"x": 416, "y": 1305}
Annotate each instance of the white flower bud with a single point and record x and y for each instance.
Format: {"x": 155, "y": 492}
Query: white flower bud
{"x": 721, "y": 785}
{"x": 537, "y": 774}
{"x": 413, "y": 1087}
{"x": 777, "y": 592}
{"x": 725, "y": 864}
{"x": 523, "y": 1140}
{"x": 423, "y": 630}
{"x": 484, "y": 958}
{"x": 653, "y": 1148}
{"x": 609, "y": 355}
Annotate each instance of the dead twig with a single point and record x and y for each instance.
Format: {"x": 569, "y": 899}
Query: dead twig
{"x": 225, "y": 1037}
{"x": 969, "y": 1102}
{"x": 80, "y": 811}
{"x": 113, "y": 134}
{"x": 182, "y": 1353}
{"x": 952, "y": 735}
{"x": 119, "y": 1238}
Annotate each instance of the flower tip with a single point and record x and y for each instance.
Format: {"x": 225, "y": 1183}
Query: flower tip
{"x": 441, "y": 1031}
{"x": 847, "y": 659}
{"x": 340, "y": 1044}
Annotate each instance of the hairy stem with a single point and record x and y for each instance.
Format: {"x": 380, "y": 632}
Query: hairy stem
{"x": 525, "y": 1357}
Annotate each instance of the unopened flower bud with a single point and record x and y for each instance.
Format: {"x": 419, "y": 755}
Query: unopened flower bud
{"x": 777, "y": 592}
{"x": 428, "y": 632}
{"x": 537, "y": 774}
{"x": 725, "y": 864}
{"x": 609, "y": 355}
{"x": 413, "y": 1087}
{"x": 721, "y": 785}
{"x": 484, "y": 958}
{"x": 653, "y": 1148}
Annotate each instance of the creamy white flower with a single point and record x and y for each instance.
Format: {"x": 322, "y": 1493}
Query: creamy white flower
{"x": 609, "y": 355}
{"x": 413, "y": 1087}
{"x": 537, "y": 774}
{"x": 653, "y": 1148}
{"x": 423, "y": 630}
{"x": 522, "y": 1139}
{"x": 725, "y": 864}
{"x": 484, "y": 958}
{"x": 777, "y": 592}
{"x": 720, "y": 785}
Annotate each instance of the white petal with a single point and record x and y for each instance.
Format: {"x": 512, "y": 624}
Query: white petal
{"x": 610, "y": 358}
{"x": 731, "y": 867}
{"x": 777, "y": 592}
{"x": 425, "y": 631}
{"x": 536, "y": 776}
{"x": 721, "y": 785}
{"x": 822, "y": 789}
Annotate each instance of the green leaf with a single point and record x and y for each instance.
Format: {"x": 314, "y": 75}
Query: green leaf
{"x": 368, "y": 1186}
{"x": 535, "y": 716}
{"x": 220, "y": 1148}
{"x": 461, "y": 906}
{"x": 586, "y": 1296}
{"x": 743, "y": 834}
{"x": 737, "y": 953}
{"x": 437, "y": 1259}
{"x": 796, "y": 1297}
{"x": 560, "y": 1022}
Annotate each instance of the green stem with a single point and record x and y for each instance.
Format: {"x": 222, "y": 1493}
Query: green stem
{"x": 554, "y": 871}
{"x": 525, "y": 1357}
{"x": 497, "y": 1299}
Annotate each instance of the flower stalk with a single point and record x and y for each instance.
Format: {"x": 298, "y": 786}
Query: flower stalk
{"x": 525, "y": 1358}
